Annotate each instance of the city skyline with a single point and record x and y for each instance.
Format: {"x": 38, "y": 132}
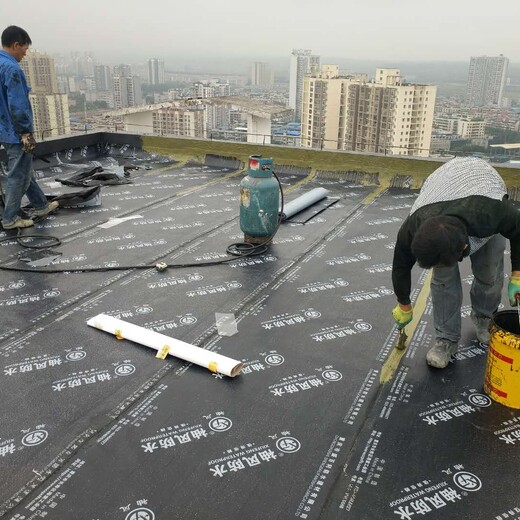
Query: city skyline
{"x": 383, "y": 30}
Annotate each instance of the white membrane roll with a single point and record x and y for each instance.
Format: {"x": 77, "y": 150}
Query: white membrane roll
{"x": 303, "y": 202}
{"x": 199, "y": 356}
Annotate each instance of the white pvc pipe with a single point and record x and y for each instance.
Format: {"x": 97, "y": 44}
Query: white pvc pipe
{"x": 303, "y": 202}
{"x": 199, "y": 356}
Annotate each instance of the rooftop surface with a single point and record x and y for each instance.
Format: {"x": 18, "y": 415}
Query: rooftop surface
{"x": 327, "y": 419}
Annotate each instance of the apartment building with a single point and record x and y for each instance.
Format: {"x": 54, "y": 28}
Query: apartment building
{"x": 181, "y": 121}
{"x": 303, "y": 62}
{"x": 471, "y": 128}
{"x": 217, "y": 116}
{"x": 385, "y": 115}
{"x": 261, "y": 74}
{"x": 127, "y": 91}
{"x": 486, "y": 80}
{"x": 103, "y": 77}
{"x": 51, "y": 115}
{"x": 155, "y": 71}
{"x": 446, "y": 123}
{"x": 40, "y": 72}
{"x": 50, "y": 108}
{"x": 466, "y": 127}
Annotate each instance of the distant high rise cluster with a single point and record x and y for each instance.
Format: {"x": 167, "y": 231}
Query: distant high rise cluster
{"x": 385, "y": 115}
{"x": 116, "y": 87}
{"x": 302, "y": 62}
{"x": 261, "y": 74}
{"x": 51, "y": 109}
{"x": 486, "y": 80}
{"x": 155, "y": 71}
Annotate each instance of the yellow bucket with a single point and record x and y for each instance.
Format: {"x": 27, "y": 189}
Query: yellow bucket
{"x": 502, "y": 381}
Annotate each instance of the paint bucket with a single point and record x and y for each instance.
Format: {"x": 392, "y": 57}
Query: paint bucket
{"x": 502, "y": 381}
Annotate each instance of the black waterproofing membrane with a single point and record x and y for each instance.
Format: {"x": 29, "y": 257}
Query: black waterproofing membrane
{"x": 94, "y": 428}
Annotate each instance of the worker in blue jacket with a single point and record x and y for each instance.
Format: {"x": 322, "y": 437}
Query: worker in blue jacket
{"x": 16, "y": 133}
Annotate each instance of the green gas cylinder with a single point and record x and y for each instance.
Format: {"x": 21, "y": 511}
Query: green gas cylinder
{"x": 259, "y": 201}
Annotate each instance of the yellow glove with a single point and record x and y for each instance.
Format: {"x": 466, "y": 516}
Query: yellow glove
{"x": 513, "y": 290}
{"x": 28, "y": 143}
{"x": 402, "y": 318}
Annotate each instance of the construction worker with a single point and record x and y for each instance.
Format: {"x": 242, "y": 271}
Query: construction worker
{"x": 16, "y": 132}
{"x": 461, "y": 211}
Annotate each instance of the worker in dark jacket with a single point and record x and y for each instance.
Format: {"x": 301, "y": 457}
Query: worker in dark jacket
{"x": 461, "y": 211}
{"x": 16, "y": 132}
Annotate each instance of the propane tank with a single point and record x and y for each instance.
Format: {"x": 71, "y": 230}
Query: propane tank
{"x": 259, "y": 201}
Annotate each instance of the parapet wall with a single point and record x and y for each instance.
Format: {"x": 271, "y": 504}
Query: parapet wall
{"x": 373, "y": 169}
{"x": 378, "y": 169}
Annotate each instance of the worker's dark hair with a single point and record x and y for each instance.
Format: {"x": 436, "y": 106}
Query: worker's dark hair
{"x": 439, "y": 241}
{"x": 14, "y": 34}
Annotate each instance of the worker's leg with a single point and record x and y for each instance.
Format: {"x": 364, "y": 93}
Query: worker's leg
{"x": 20, "y": 179}
{"x": 487, "y": 265}
{"x": 446, "y": 292}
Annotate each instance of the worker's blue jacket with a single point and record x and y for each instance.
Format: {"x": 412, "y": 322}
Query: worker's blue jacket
{"x": 16, "y": 116}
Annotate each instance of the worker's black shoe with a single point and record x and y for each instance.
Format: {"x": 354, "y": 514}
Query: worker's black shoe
{"x": 481, "y": 327}
{"x": 440, "y": 354}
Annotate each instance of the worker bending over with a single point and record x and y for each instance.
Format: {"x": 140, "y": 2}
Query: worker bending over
{"x": 462, "y": 211}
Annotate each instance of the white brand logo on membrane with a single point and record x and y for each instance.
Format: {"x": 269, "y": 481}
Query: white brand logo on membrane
{"x": 425, "y": 497}
{"x": 446, "y": 410}
{"x": 249, "y": 455}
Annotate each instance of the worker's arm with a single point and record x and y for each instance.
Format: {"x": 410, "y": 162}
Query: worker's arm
{"x": 402, "y": 265}
{"x": 18, "y": 102}
{"x": 509, "y": 227}
{"x": 402, "y": 276}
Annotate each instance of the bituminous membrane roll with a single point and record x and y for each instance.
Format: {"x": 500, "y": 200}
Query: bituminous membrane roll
{"x": 304, "y": 201}
{"x": 174, "y": 347}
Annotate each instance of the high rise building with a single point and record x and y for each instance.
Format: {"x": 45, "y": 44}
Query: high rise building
{"x": 155, "y": 71}
{"x": 352, "y": 113}
{"x": 261, "y": 74}
{"x": 127, "y": 91}
{"x": 486, "y": 80}
{"x": 103, "y": 77}
{"x": 50, "y": 108}
{"x": 122, "y": 70}
{"x": 126, "y": 87}
{"x": 302, "y": 63}
{"x": 51, "y": 115}
{"x": 40, "y": 72}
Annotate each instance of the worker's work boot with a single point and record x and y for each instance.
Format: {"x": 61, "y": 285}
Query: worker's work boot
{"x": 481, "y": 327}
{"x": 19, "y": 223}
{"x": 45, "y": 211}
{"x": 440, "y": 354}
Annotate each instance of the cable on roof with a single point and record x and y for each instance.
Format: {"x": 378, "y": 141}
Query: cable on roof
{"x": 238, "y": 249}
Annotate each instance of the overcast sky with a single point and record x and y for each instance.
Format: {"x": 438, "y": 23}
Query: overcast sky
{"x": 400, "y": 30}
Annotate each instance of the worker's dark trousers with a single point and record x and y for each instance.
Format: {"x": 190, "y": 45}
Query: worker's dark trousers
{"x": 487, "y": 265}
